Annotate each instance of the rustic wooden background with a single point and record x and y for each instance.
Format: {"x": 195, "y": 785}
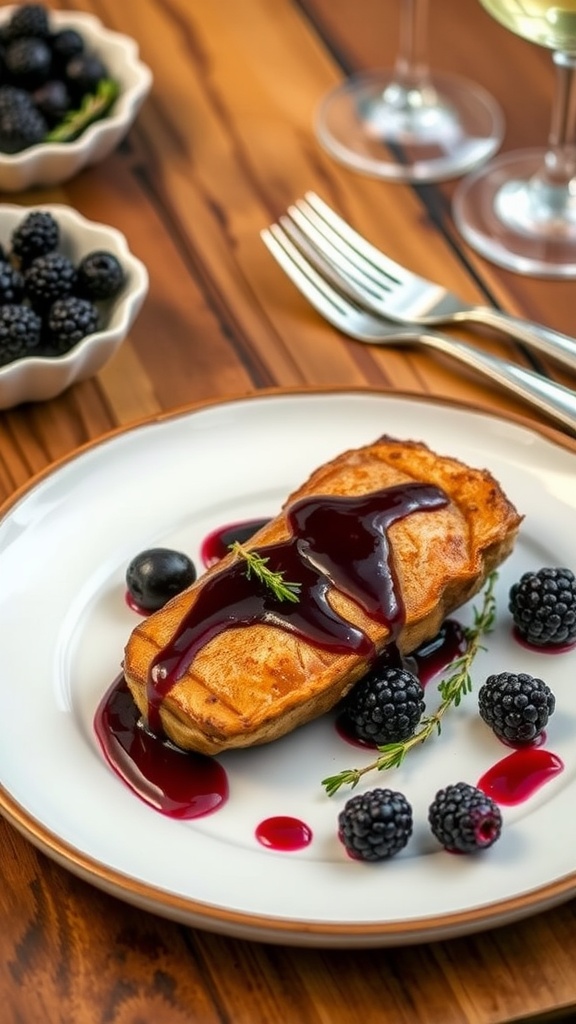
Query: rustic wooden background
{"x": 223, "y": 144}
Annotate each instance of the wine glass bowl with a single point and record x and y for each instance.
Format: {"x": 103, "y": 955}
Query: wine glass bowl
{"x": 519, "y": 210}
{"x": 408, "y": 123}
{"x": 539, "y": 21}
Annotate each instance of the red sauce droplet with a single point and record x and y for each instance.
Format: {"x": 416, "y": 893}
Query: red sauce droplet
{"x": 519, "y": 775}
{"x": 173, "y": 781}
{"x": 541, "y": 648}
{"x": 283, "y": 833}
{"x": 217, "y": 543}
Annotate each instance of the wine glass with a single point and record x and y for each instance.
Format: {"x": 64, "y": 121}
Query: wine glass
{"x": 407, "y": 124}
{"x": 520, "y": 209}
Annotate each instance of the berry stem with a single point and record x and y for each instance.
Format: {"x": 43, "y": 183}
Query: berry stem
{"x": 452, "y": 689}
{"x": 93, "y": 107}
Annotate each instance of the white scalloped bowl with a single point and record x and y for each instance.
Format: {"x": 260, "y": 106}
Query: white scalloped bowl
{"x": 38, "y": 378}
{"x": 51, "y": 163}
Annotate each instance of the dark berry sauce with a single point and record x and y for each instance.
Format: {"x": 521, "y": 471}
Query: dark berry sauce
{"x": 177, "y": 783}
{"x": 345, "y": 729}
{"x": 346, "y": 538}
{"x": 538, "y": 741}
{"x": 519, "y": 775}
{"x": 132, "y": 604}
{"x": 283, "y": 833}
{"x": 435, "y": 655}
{"x": 217, "y": 544}
{"x": 541, "y": 648}
{"x": 335, "y": 541}
{"x": 338, "y": 541}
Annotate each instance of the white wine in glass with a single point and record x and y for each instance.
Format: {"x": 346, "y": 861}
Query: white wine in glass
{"x": 408, "y": 123}
{"x": 519, "y": 210}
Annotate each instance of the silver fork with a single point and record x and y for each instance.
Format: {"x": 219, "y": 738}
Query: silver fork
{"x": 396, "y": 293}
{"x": 553, "y": 399}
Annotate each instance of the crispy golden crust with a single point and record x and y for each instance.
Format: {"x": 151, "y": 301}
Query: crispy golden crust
{"x": 253, "y": 684}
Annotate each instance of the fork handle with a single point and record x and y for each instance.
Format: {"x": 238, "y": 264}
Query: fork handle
{"x": 543, "y": 339}
{"x": 555, "y": 400}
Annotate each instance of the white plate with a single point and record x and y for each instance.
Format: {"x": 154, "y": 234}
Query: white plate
{"x": 64, "y": 546}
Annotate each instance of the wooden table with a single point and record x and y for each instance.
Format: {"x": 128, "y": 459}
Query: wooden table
{"x": 222, "y": 145}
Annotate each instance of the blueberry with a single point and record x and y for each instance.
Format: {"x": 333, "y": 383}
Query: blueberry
{"x": 83, "y": 73}
{"x": 52, "y": 99}
{"x": 156, "y": 575}
{"x": 66, "y": 44}
{"x": 100, "y": 275}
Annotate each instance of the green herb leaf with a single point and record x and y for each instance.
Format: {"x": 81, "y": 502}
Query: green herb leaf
{"x": 451, "y": 689}
{"x": 94, "y": 106}
{"x": 257, "y": 565}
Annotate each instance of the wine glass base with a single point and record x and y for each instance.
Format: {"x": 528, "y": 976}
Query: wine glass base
{"x": 374, "y": 125}
{"x": 529, "y": 230}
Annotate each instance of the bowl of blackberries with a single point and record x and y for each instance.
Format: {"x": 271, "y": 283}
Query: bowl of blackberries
{"x": 70, "y": 290}
{"x": 70, "y": 90}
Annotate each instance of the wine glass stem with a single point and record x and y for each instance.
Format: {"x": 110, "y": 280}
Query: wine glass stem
{"x": 543, "y": 203}
{"x": 560, "y": 162}
{"x": 412, "y": 61}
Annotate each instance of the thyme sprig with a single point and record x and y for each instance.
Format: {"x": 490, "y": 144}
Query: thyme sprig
{"x": 93, "y": 107}
{"x": 452, "y": 689}
{"x": 257, "y": 565}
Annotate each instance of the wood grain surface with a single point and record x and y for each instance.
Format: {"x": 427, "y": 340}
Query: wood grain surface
{"x": 223, "y": 144}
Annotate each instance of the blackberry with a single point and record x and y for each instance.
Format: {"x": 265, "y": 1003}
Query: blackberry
{"x": 543, "y": 606}
{"x": 20, "y": 332}
{"x": 35, "y": 235}
{"x": 100, "y": 276}
{"x": 48, "y": 278}
{"x": 28, "y": 20}
{"x": 375, "y": 825}
{"x": 28, "y": 62}
{"x": 385, "y": 706}
{"x": 69, "y": 320}
{"x": 11, "y": 283}
{"x": 464, "y": 819}
{"x": 516, "y": 707}
{"x": 21, "y": 124}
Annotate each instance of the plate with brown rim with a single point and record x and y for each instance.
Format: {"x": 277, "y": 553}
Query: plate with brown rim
{"x": 65, "y": 542}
